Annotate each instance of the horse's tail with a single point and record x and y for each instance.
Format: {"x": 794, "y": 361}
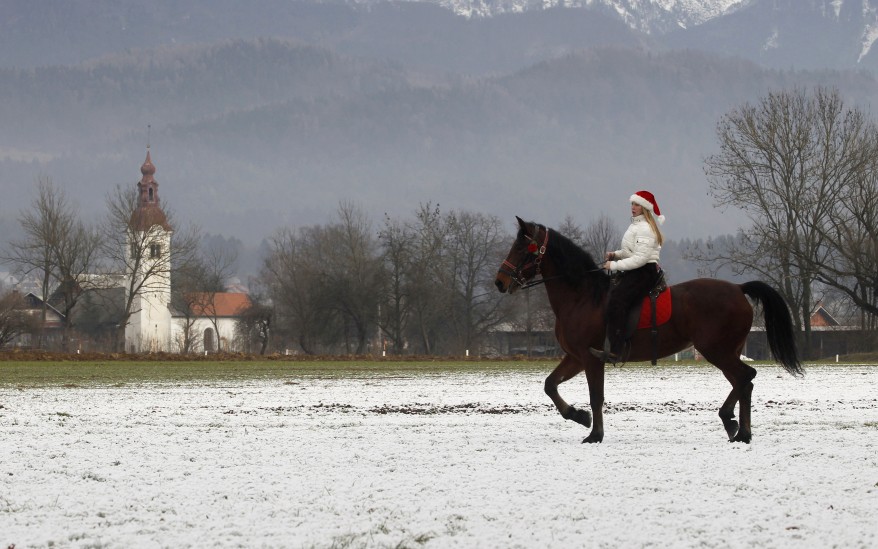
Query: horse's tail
{"x": 778, "y": 325}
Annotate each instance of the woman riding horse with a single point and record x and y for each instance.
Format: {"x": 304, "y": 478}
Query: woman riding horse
{"x": 714, "y": 316}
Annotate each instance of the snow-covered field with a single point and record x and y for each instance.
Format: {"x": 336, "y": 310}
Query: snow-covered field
{"x": 451, "y": 460}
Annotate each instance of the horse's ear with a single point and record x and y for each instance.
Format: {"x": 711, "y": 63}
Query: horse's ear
{"x": 521, "y": 223}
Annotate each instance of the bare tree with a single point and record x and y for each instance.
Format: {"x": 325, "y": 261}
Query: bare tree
{"x": 475, "y": 249}
{"x": 786, "y": 162}
{"x": 428, "y": 278}
{"x": 600, "y": 236}
{"x": 76, "y": 258}
{"x": 58, "y": 248}
{"x": 572, "y": 230}
{"x": 353, "y": 274}
{"x": 326, "y": 283}
{"x": 254, "y": 324}
{"x": 851, "y": 241}
{"x": 42, "y": 227}
{"x": 293, "y": 276}
{"x": 14, "y": 320}
{"x": 395, "y": 308}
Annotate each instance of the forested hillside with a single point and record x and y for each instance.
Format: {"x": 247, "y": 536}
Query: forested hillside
{"x": 250, "y": 135}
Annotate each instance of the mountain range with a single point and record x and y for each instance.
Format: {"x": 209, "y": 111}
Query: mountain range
{"x": 267, "y": 115}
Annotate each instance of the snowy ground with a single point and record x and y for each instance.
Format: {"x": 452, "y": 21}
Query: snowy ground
{"x": 456, "y": 460}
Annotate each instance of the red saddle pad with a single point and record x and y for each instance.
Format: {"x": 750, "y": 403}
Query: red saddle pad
{"x": 662, "y": 310}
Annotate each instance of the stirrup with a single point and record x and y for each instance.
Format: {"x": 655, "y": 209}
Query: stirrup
{"x": 604, "y": 355}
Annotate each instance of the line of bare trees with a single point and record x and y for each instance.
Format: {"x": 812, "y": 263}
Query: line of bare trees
{"x": 420, "y": 286}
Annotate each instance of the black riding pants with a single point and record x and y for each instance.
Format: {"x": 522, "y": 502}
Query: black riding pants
{"x": 631, "y": 287}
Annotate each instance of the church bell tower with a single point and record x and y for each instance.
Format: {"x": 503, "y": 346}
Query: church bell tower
{"x": 149, "y": 247}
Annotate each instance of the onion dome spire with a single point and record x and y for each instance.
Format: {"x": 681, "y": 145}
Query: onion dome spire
{"x": 148, "y": 211}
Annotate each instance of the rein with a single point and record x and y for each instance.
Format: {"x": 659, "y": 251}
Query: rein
{"x": 526, "y": 285}
{"x": 532, "y": 283}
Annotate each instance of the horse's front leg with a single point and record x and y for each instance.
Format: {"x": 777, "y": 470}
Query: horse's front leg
{"x": 564, "y": 371}
{"x": 594, "y": 373}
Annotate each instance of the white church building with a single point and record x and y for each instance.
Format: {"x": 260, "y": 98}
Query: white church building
{"x": 154, "y": 326}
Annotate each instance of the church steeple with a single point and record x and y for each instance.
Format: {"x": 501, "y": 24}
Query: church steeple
{"x": 148, "y": 212}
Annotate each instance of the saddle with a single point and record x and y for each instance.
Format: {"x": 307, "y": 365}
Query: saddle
{"x": 654, "y": 310}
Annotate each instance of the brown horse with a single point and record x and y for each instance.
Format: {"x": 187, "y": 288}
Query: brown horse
{"x": 713, "y": 315}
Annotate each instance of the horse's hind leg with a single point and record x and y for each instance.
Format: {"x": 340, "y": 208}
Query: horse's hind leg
{"x": 745, "y": 391}
{"x": 741, "y": 377}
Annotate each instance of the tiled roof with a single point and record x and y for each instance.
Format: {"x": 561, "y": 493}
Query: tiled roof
{"x": 219, "y": 304}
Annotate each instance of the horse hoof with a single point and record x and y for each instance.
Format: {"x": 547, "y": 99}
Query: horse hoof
{"x": 742, "y": 437}
{"x": 593, "y": 438}
{"x": 731, "y": 428}
{"x": 582, "y": 417}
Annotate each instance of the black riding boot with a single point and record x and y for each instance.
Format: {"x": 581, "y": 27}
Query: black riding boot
{"x": 613, "y": 345}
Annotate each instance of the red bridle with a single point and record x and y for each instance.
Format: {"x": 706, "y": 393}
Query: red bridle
{"x": 516, "y": 273}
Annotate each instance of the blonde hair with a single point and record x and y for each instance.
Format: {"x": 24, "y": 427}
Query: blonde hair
{"x": 654, "y": 226}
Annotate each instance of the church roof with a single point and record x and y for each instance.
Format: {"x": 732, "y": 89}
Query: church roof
{"x": 143, "y": 219}
{"x": 219, "y": 304}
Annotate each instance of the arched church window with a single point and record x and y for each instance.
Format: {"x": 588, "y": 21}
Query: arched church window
{"x": 151, "y": 194}
{"x": 155, "y": 250}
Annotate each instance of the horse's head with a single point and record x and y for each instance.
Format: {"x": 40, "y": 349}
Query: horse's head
{"x": 523, "y": 261}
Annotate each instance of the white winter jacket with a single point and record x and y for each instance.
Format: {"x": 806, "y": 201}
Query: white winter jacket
{"x": 639, "y": 247}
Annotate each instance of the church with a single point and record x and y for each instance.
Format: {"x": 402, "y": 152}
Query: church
{"x": 207, "y": 324}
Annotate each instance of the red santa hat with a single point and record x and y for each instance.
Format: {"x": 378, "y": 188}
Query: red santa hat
{"x": 647, "y": 201}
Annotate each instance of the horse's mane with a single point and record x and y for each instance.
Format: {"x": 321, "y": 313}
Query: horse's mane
{"x": 576, "y": 265}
